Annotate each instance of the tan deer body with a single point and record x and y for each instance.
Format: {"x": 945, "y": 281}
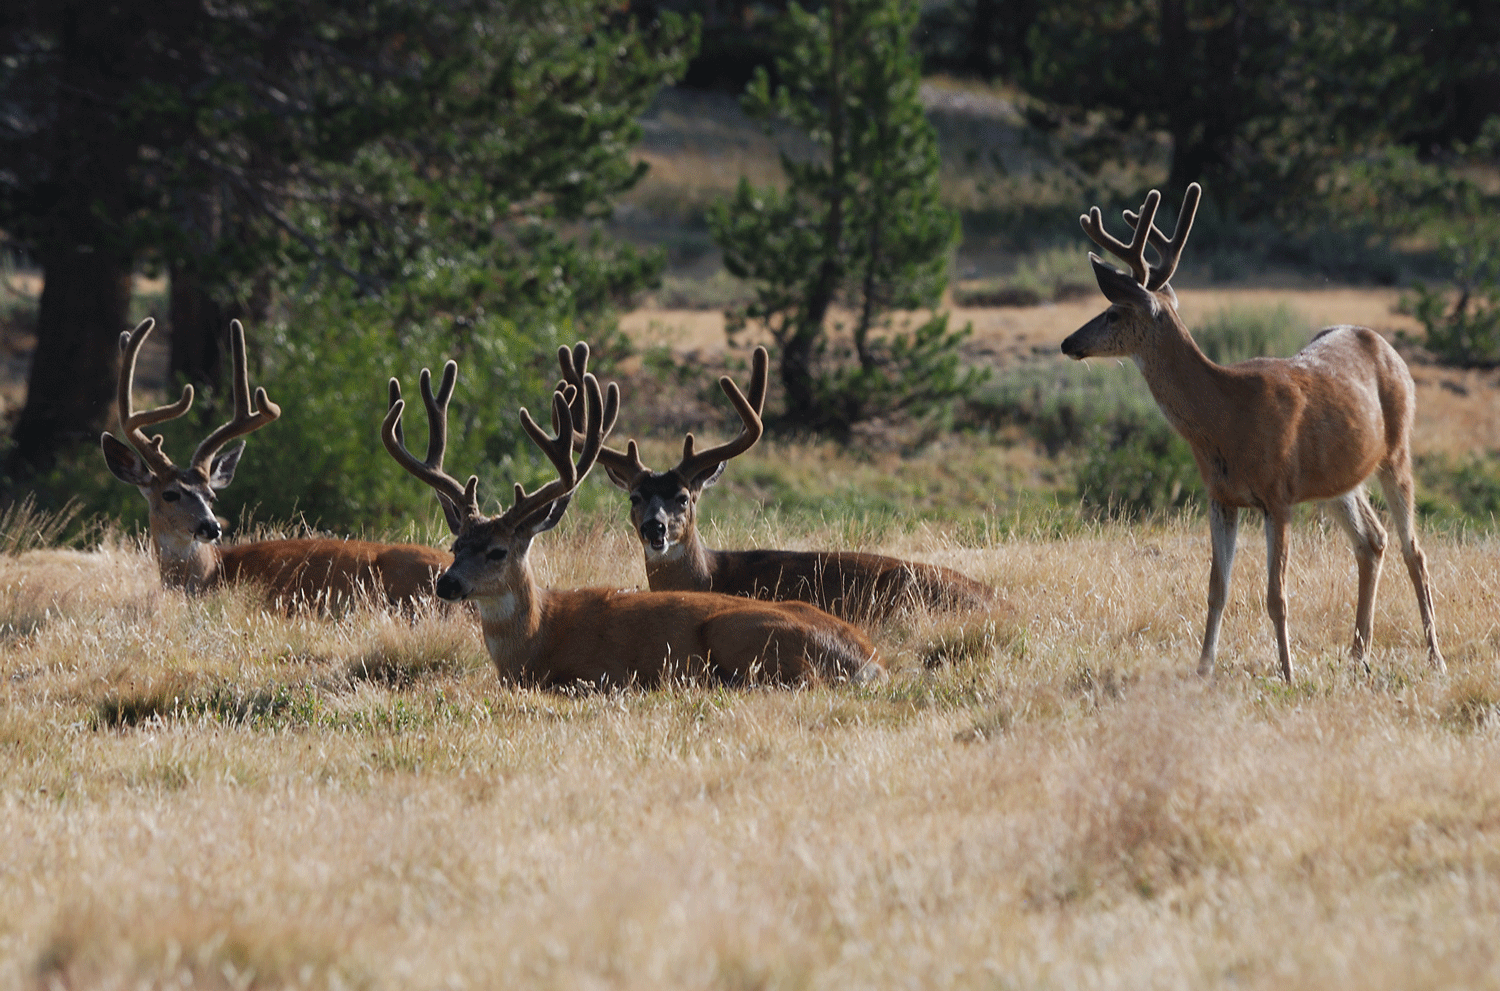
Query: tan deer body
{"x": 333, "y": 571}
{"x": 1268, "y": 433}
{"x": 855, "y": 586}
{"x": 184, "y": 530}
{"x": 664, "y": 513}
{"x": 605, "y": 637}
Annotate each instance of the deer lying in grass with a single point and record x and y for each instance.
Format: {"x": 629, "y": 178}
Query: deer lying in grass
{"x": 664, "y": 512}
{"x": 1267, "y": 433}
{"x": 305, "y": 572}
{"x": 599, "y": 637}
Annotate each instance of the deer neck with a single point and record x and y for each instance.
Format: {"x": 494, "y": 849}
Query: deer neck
{"x": 1191, "y": 390}
{"x": 512, "y": 622}
{"x": 685, "y": 565}
{"x": 188, "y": 564}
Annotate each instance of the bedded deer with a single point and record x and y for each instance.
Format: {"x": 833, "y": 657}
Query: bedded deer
{"x": 1267, "y": 433}
{"x": 604, "y": 637}
{"x": 664, "y": 512}
{"x": 303, "y": 572}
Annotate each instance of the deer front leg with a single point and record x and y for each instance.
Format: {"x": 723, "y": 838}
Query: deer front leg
{"x": 1277, "y": 520}
{"x": 1223, "y": 526}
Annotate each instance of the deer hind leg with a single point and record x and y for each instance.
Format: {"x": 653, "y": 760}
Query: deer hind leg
{"x": 1354, "y": 514}
{"x": 1396, "y": 483}
{"x": 1223, "y": 527}
{"x": 1276, "y": 553}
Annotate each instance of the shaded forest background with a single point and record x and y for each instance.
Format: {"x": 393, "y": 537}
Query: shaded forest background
{"x": 374, "y": 187}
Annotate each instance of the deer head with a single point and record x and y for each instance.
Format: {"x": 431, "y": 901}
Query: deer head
{"x": 490, "y": 552}
{"x": 1142, "y": 298}
{"x": 181, "y": 499}
{"x": 664, "y": 504}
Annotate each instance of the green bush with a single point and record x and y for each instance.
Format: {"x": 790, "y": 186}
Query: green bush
{"x": 1136, "y": 469}
{"x": 1468, "y": 334}
{"x": 1060, "y": 403}
{"x": 328, "y": 363}
{"x": 1236, "y": 333}
{"x": 1467, "y": 490}
{"x": 1053, "y": 275}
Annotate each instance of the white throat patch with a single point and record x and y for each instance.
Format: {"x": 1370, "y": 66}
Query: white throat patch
{"x": 175, "y": 548}
{"x": 671, "y": 552}
{"x": 500, "y": 609}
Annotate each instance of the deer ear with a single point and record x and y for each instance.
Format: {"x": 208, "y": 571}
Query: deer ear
{"x": 450, "y": 513}
{"x": 547, "y": 518}
{"x": 619, "y": 477}
{"x": 1121, "y": 288}
{"x": 124, "y": 463}
{"x": 225, "y": 462}
{"x": 1171, "y": 295}
{"x": 706, "y": 479}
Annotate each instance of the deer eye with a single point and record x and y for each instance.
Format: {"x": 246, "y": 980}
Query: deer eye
{"x": 682, "y": 499}
{"x": 635, "y": 499}
{"x": 495, "y": 554}
{"x": 171, "y": 495}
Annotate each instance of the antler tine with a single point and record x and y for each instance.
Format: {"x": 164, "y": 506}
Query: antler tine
{"x": 559, "y": 451}
{"x": 1170, "y": 250}
{"x": 574, "y": 365}
{"x": 131, "y": 422}
{"x": 1134, "y": 253}
{"x": 464, "y": 498}
{"x": 437, "y": 411}
{"x": 247, "y": 418}
{"x": 760, "y": 366}
{"x": 693, "y": 464}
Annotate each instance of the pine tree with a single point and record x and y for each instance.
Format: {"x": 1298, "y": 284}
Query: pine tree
{"x": 859, "y": 225}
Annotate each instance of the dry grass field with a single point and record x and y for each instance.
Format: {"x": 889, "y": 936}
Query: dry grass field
{"x": 200, "y": 794}
{"x": 197, "y": 793}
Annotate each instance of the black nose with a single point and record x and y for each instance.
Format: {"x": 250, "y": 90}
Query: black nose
{"x": 654, "y": 531}
{"x": 449, "y": 588}
{"x": 208, "y": 530}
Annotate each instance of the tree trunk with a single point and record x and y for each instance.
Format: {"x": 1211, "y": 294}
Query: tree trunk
{"x": 796, "y": 353}
{"x": 71, "y": 390}
{"x": 797, "y": 378}
{"x": 200, "y": 324}
{"x": 1182, "y": 118}
{"x": 80, "y": 241}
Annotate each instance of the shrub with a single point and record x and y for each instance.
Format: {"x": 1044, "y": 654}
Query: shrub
{"x": 1052, "y": 275}
{"x": 1236, "y": 333}
{"x": 1468, "y": 334}
{"x": 328, "y": 364}
{"x": 1136, "y": 469}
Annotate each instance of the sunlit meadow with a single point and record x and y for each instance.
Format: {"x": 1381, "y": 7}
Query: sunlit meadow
{"x": 200, "y": 793}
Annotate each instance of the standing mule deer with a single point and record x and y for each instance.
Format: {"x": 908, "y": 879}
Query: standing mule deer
{"x": 1267, "y": 433}
{"x": 664, "y": 511}
{"x": 595, "y": 636}
{"x": 317, "y": 572}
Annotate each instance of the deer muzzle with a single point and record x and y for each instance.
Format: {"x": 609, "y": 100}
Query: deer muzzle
{"x": 451, "y": 588}
{"x": 654, "y": 533}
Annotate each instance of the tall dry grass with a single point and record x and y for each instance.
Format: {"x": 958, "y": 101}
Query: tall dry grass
{"x": 197, "y": 793}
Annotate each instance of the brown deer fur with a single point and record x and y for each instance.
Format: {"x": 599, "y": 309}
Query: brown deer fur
{"x": 184, "y": 529}
{"x": 857, "y": 587}
{"x": 598, "y": 637}
{"x": 1270, "y": 432}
